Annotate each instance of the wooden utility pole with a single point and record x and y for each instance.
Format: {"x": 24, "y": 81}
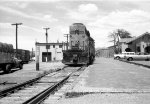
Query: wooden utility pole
{"x": 67, "y": 35}
{"x": 37, "y": 56}
{"x": 16, "y": 24}
{"x": 46, "y": 40}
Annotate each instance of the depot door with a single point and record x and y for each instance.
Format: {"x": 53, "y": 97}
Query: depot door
{"x": 147, "y": 49}
{"x": 46, "y": 56}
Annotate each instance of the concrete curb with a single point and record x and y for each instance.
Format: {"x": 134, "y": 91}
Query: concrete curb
{"x": 147, "y": 66}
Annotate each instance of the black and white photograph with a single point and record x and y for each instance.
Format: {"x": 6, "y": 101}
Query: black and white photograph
{"x": 74, "y": 51}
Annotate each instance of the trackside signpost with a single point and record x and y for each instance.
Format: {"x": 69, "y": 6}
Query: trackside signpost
{"x": 37, "y": 57}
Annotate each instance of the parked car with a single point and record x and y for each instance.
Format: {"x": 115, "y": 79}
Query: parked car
{"x": 123, "y": 54}
{"x": 138, "y": 56}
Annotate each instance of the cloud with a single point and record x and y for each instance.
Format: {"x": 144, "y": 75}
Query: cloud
{"x": 24, "y": 27}
{"x": 33, "y": 29}
{"x": 69, "y": 0}
{"x": 34, "y": 0}
{"x": 87, "y": 8}
{"x": 100, "y": 18}
{"x": 84, "y": 12}
{"x": 47, "y": 16}
{"x": 134, "y": 21}
{"x": 22, "y": 5}
{"x": 122, "y": 19}
{"x": 6, "y": 26}
{"x": 19, "y": 13}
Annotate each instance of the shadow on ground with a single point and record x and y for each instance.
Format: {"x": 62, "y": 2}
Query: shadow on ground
{"x": 12, "y": 71}
{"x": 77, "y": 94}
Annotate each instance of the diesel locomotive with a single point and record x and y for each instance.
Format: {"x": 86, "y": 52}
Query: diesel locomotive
{"x": 80, "y": 50}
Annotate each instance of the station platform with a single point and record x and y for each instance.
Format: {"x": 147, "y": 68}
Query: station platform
{"x": 110, "y": 81}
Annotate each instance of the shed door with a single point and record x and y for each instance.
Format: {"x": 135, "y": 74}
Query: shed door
{"x": 45, "y": 55}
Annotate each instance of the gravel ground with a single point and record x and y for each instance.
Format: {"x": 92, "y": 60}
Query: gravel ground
{"x": 108, "y": 99}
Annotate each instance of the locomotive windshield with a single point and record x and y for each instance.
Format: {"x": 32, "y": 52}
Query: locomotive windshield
{"x": 76, "y": 32}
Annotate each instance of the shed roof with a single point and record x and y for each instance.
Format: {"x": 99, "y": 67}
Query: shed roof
{"x": 126, "y": 40}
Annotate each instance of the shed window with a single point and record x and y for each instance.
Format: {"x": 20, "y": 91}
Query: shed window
{"x": 60, "y": 46}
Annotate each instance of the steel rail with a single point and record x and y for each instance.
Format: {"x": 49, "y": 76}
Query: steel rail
{"x": 44, "y": 94}
{"x": 18, "y": 86}
{"x": 11, "y": 89}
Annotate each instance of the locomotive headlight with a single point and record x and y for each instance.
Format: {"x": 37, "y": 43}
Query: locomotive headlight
{"x": 75, "y": 57}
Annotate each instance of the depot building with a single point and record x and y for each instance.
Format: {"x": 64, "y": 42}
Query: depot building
{"x": 46, "y": 52}
{"x": 136, "y": 44}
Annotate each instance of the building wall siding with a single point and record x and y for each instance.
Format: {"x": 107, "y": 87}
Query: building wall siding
{"x": 56, "y": 52}
{"x": 124, "y": 46}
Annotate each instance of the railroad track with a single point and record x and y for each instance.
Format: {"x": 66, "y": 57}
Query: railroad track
{"x": 19, "y": 86}
{"x": 40, "y": 90}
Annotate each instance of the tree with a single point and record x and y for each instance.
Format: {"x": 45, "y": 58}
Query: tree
{"x": 113, "y": 37}
{"x": 122, "y": 33}
{"x": 116, "y": 36}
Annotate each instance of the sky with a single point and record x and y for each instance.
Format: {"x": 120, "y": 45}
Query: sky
{"x": 101, "y": 17}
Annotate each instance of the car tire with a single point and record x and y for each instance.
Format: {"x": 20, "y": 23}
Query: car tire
{"x": 130, "y": 59}
{"x": 147, "y": 59}
{"x": 117, "y": 57}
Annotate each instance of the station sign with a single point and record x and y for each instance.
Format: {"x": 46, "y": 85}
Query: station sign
{"x": 47, "y": 46}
